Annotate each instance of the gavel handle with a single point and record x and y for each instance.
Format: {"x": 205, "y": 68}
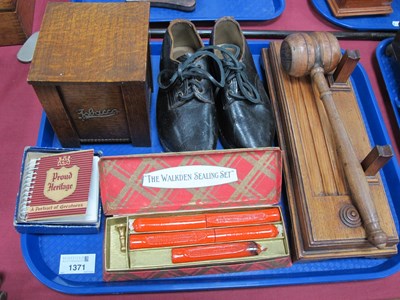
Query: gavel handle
{"x": 355, "y": 176}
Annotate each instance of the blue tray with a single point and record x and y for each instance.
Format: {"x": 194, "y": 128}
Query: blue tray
{"x": 42, "y": 253}
{"x": 390, "y": 70}
{"x": 382, "y": 23}
{"x": 209, "y": 10}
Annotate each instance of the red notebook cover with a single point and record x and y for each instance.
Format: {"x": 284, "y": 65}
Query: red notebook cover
{"x": 59, "y": 185}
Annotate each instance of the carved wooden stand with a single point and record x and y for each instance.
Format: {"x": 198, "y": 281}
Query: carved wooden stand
{"x": 325, "y": 222}
{"x": 347, "y": 8}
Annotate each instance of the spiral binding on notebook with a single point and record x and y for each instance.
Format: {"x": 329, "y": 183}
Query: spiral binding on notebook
{"x": 27, "y": 185}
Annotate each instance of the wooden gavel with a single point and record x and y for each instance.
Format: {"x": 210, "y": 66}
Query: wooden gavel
{"x": 318, "y": 53}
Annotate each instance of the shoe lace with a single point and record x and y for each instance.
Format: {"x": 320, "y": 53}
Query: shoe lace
{"x": 189, "y": 75}
{"x": 235, "y": 72}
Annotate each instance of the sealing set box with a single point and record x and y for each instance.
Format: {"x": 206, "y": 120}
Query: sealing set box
{"x": 201, "y": 182}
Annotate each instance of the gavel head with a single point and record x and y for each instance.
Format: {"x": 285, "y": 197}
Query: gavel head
{"x": 301, "y": 52}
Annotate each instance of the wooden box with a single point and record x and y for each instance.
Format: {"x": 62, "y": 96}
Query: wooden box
{"x": 325, "y": 222}
{"x": 347, "y": 8}
{"x": 16, "y": 19}
{"x": 91, "y": 72}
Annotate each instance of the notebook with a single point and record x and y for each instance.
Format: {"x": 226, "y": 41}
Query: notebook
{"x": 60, "y": 188}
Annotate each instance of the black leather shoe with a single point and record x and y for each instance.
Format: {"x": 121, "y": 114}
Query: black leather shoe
{"x": 244, "y": 110}
{"x": 186, "y": 116}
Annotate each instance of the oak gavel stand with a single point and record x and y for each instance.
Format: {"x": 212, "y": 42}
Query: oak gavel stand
{"x": 325, "y": 222}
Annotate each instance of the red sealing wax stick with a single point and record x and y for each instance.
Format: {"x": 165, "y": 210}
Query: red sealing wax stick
{"x": 187, "y": 222}
{"x": 170, "y": 223}
{"x": 167, "y": 239}
{"x": 206, "y": 236}
{"x": 230, "y": 234}
{"x": 252, "y": 217}
{"x": 213, "y": 252}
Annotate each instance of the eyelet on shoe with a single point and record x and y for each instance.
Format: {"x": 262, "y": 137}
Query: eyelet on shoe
{"x": 179, "y": 95}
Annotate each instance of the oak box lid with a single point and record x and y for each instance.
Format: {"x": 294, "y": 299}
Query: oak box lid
{"x": 92, "y": 42}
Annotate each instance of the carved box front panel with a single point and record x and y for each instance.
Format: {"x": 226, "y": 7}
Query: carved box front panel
{"x": 96, "y": 111}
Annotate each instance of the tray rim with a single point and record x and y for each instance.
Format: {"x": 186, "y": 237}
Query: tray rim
{"x": 194, "y": 285}
{"x": 234, "y": 280}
